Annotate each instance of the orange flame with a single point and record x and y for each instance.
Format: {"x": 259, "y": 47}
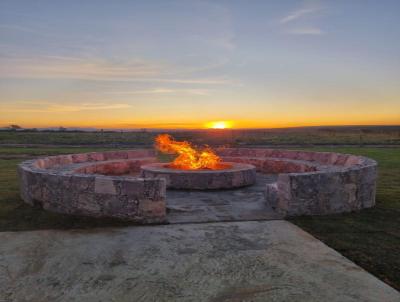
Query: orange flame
{"x": 188, "y": 157}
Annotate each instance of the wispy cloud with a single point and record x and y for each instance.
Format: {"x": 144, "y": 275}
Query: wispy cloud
{"x": 301, "y": 21}
{"x": 161, "y": 91}
{"x": 297, "y": 14}
{"x": 202, "y": 81}
{"x": 46, "y": 107}
{"x": 162, "y": 125}
{"x": 134, "y": 49}
{"x": 79, "y": 68}
{"x": 95, "y": 69}
{"x": 305, "y": 31}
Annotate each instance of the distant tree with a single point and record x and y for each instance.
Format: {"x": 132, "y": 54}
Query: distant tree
{"x": 62, "y": 129}
{"x": 15, "y": 127}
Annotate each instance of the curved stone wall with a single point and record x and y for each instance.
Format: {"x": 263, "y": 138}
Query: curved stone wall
{"x": 236, "y": 175}
{"x": 105, "y": 184}
{"x": 312, "y": 183}
{"x": 72, "y": 184}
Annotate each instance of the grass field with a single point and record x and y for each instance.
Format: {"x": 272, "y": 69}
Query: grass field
{"x": 389, "y": 135}
{"x": 370, "y": 238}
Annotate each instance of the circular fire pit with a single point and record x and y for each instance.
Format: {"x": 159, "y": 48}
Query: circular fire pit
{"x": 234, "y": 176}
{"x": 105, "y": 184}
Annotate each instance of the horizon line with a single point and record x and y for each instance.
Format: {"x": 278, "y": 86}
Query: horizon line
{"x": 69, "y": 128}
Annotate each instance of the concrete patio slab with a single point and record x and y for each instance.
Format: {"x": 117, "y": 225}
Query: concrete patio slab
{"x": 236, "y": 261}
{"x": 242, "y": 204}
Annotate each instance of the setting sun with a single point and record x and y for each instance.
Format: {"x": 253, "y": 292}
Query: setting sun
{"x": 219, "y": 125}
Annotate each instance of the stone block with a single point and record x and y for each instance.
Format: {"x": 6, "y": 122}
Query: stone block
{"x": 111, "y": 155}
{"x": 95, "y": 156}
{"x": 80, "y": 158}
{"x": 104, "y": 185}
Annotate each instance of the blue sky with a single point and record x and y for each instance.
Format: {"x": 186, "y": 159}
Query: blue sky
{"x": 184, "y": 63}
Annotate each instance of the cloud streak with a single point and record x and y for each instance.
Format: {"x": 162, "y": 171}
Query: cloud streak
{"x": 80, "y": 68}
{"x": 299, "y": 22}
{"x": 162, "y": 125}
{"x": 45, "y": 107}
{"x": 298, "y": 14}
{"x": 95, "y": 69}
{"x": 161, "y": 91}
{"x": 305, "y": 31}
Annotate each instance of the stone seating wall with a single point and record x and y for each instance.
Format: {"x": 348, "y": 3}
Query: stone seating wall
{"x": 103, "y": 184}
{"x": 66, "y": 184}
{"x": 312, "y": 183}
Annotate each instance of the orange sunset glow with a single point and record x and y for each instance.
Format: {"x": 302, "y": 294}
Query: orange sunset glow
{"x": 284, "y": 65}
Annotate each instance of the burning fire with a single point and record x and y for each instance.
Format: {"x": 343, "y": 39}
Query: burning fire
{"x": 189, "y": 158}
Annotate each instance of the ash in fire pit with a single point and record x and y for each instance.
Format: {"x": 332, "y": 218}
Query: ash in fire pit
{"x": 197, "y": 168}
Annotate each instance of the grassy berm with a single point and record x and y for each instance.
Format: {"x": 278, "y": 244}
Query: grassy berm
{"x": 370, "y": 238}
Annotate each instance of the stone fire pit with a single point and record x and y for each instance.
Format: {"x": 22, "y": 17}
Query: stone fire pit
{"x": 108, "y": 184}
{"x": 235, "y": 175}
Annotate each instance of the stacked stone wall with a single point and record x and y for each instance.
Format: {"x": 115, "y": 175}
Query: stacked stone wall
{"x": 312, "y": 183}
{"x": 81, "y": 190}
{"x": 98, "y": 183}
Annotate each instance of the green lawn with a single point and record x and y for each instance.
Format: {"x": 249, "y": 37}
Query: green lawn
{"x": 370, "y": 238}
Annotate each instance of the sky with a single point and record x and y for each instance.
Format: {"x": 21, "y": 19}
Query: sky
{"x": 183, "y": 64}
